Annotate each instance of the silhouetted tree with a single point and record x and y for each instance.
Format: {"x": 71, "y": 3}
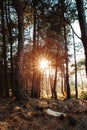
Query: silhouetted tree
{"x": 5, "y": 91}
{"x": 19, "y": 93}
{"x": 83, "y": 26}
{"x": 76, "y": 89}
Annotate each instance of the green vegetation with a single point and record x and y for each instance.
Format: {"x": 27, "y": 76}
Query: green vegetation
{"x": 83, "y": 95}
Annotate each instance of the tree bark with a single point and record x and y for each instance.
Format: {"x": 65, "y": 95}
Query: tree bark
{"x": 4, "y": 53}
{"x": 67, "y": 68}
{"x": 34, "y": 92}
{"x": 9, "y": 25}
{"x": 76, "y": 89}
{"x": 19, "y": 93}
{"x": 83, "y": 26}
{"x": 66, "y": 49}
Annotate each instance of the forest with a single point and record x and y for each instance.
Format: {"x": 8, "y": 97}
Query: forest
{"x": 43, "y": 64}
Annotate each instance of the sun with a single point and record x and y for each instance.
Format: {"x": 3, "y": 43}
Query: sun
{"x": 44, "y": 64}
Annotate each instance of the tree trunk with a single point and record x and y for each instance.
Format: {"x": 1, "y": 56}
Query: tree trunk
{"x": 1, "y": 62}
{"x": 19, "y": 93}
{"x": 4, "y": 55}
{"x": 34, "y": 92}
{"x": 55, "y": 82}
{"x": 8, "y": 20}
{"x": 76, "y": 89}
{"x": 53, "y": 88}
{"x": 66, "y": 48}
{"x": 63, "y": 82}
{"x": 67, "y": 69}
{"x": 83, "y": 26}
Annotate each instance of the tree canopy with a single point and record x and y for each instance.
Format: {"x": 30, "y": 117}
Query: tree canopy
{"x": 31, "y": 30}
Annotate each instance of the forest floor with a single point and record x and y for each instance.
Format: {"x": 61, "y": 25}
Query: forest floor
{"x": 41, "y": 114}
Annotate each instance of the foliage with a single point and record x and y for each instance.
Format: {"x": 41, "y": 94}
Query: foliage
{"x": 83, "y": 95}
{"x": 81, "y": 62}
{"x": 26, "y": 22}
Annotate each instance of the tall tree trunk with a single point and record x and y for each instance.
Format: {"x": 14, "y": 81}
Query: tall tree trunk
{"x": 63, "y": 81}
{"x": 83, "y": 26}
{"x": 1, "y": 61}
{"x": 55, "y": 83}
{"x": 66, "y": 48}
{"x": 4, "y": 55}
{"x": 19, "y": 93}
{"x": 34, "y": 92}
{"x": 76, "y": 89}
{"x": 8, "y": 19}
{"x": 67, "y": 69}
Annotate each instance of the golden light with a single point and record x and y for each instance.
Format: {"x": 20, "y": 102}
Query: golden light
{"x": 44, "y": 64}
{"x": 45, "y": 67}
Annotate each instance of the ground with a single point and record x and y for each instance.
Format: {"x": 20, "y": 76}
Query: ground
{"x": 33, "y": 115}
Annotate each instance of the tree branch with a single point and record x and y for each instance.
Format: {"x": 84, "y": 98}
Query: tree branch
{"x": 73, "y": 29}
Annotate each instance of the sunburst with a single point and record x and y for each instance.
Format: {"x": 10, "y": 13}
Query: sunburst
{"x": 44, "y": 64}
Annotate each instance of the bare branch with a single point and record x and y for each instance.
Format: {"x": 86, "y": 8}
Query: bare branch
{"x": 73, "y": 29}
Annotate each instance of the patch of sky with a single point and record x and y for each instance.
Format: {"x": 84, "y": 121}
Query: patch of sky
{"x": 78, "y": 43}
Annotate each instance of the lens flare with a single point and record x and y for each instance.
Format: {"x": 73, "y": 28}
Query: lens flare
{"x": 44, "y": 64}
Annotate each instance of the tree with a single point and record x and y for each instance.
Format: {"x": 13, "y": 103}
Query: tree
{"x": 83, "y": 26}
{"x": 10, "y": 26}
{"x": 34, "y": 92}
{"x": 20, "y": 95}
{"x": 66, "y": 48}
{"x": 4, "y": 51}
{"x": 48, "y": 20}
{"x": 76, "y": 90}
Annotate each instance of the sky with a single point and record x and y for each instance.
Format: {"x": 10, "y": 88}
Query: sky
{"x": 79, "y": 51}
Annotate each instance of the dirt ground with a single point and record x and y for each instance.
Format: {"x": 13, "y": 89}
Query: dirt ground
{"x": 33, "y": 115}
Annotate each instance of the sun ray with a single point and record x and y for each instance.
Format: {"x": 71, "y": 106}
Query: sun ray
{"x": 44, "y": 64}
